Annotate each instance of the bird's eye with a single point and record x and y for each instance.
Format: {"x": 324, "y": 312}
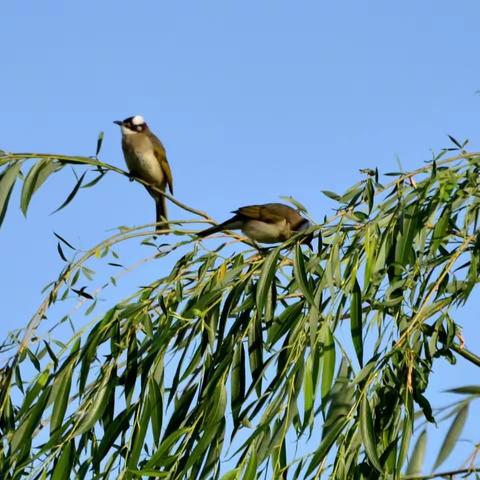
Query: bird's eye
{"x": 139, "y": 128}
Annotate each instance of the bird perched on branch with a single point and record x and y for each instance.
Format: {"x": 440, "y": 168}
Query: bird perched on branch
{"x": 268, "y": 223}
{"x": 146, "y": 159}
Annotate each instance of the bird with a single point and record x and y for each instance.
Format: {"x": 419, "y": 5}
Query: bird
{"x": 267, "y": 223}
{"x": 146, "y": 159}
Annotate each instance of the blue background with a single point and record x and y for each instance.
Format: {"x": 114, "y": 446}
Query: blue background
{"x": 253, "y": 100}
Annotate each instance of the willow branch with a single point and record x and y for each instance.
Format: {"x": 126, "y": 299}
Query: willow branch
{"x": 449, "y": 473}
{"x": 108, "y": 167}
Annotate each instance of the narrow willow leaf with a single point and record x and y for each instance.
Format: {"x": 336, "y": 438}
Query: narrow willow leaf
{"x": 455, "y": 142}
{"x": 95, "y": 408}
{"x": 368, "y": 433}
{"x": 231, "y": 475}
{"x": 181, "y": 408}
{"x": 332, "y": 195}
{"x": 301, "y": 276}
{"x": 163, "y": 450}
{"x": 7, "y": 180}
{"x": 265, "y": 282}
{"x": 294, "y": 202}
{"x": 120, "y": 424}
{"x": 326, "y": 444}
{"x": 60, "y": 395}
{"x": 251, "y": 468}
{"x": 466, "y": 390}
{"x": 308, "y": 391}
{"x": 418, "y": 455}
{"x": 139, "y": 432}
{"x": 452, "y": 436}
{"x": 285, "y": 322}
{"x": 34, "y": 180}
{"x": 60, "y": 252}
{"x": 328, "y": 369}
{"x": 99, "y": 143}
{"x": 356, "y": 321}
{"x": 63, "y": 468}
{"x": 68, "y": 244}
{"x": 440, "y": 229}
{"x": 72, "y": 194}
{"x": 406, "y": 435}
{"x": 145, "y": 472}
{"x": 238, "y": 382}
{"x": 23, "y": 435}
{"x": 409, "y": 228}
{"x": 255, "y": 352}
{"x": 34, "y": 391}
{"x": 156, "y": 409}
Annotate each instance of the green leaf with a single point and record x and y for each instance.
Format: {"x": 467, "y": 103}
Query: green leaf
{"x": 326, "y": 444}
{"x": 255, "y": 352}
{"x": 34, "y": 180}
{"x": 238, "y": 381}
{"x": 301, "y": 276}
{"x": 7, "y": 180}
{"x": 167, "y": 443}
{"x": 265, "y": 282}
{"x": 332, "y": 195}
{"x": 22, "y": 437}
{"x": 64, "y": 241}
{"x": 368, "y": 433}
{"x": 452, "y": 436}
{"x": 145, "y": 472}
{"x": 356, "y": 321}
{"x": 120, "y": 423}
{"x": 63, "y": 468}
{"x": 72, "y": 194}
{"x": 409, "y": 227}
{"x": 466, "y": 390}
{"x": 455, "y": 142}
{"x": 328, "y": 370}
{"x": 418, "y": 455}
{"x": 294, "y": 202}
{"x": 96, "y": 407}
{"x": 99, "y": 143}
{"x": 60, "y": 395}
{"x": 405, "y": 443}
{"x": 231, "y": 475}
{"x": 309, "y": 390}
{"x": 440, "y": 229}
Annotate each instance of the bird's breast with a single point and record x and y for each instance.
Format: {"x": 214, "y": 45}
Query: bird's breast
{"x": 142, "y": 162}
{"x": 266, "y": 232}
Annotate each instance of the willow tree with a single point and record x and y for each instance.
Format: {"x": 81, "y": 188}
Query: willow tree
{"x": 238, "y": 363}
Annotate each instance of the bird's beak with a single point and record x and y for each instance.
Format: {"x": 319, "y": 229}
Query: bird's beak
{"x": 118, "y": 122}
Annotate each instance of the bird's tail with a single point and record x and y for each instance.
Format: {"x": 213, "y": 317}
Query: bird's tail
{"x": 161, "y": 208}
{"x": 210, "y": 231}
{"x": 232, "y": 224}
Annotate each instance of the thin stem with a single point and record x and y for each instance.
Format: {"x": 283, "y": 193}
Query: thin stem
{"x": 449, "y": 473}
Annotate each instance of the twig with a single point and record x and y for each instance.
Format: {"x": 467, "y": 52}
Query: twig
{"x": 449, "y": 473}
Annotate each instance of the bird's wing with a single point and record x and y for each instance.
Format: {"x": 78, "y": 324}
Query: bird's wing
{"x": 259, "y": 212}
{"x": 161, "y": 156}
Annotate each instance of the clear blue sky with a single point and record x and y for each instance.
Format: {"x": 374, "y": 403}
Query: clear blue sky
{"x": 253, "y": 100}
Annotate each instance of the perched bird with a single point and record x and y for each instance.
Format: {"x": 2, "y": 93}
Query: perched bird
{"x": 268, "y": 223}
{"x": 146, "y": 159}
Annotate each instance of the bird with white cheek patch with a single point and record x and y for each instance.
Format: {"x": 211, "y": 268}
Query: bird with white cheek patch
{"x": 147, "y": 160}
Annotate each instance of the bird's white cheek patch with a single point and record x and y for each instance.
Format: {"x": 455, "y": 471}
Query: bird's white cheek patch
{"x": 127, "y": 131}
